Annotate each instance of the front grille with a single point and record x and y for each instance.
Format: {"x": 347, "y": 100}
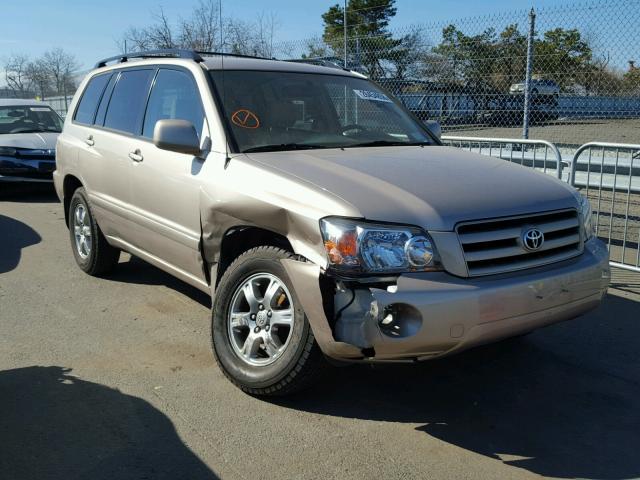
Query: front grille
{"x": 496, "y": 246}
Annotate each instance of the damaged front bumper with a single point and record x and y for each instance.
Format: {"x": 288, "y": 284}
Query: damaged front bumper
{"x": 428, "y": 315}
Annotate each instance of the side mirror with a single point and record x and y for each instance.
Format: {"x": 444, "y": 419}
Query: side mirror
{"x": 177, "y": 136}
{"x": 434, "y": 127}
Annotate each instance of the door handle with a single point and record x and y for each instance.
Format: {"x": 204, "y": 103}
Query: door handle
{"x": 89, "y": 140}
{"x": 136, "y": 156}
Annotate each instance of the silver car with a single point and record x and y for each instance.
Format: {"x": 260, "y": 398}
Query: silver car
{"x": 28, "y": 133}
{"x": 538, "y": 87}
{"x": 321, "y": 216}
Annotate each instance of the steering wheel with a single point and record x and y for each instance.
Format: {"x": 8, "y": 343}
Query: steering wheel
{"x": 354, "y": 126}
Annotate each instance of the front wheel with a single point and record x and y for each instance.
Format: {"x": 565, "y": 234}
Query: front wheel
{"x": 92, "y": 252}
{"x": 262, "y": 339}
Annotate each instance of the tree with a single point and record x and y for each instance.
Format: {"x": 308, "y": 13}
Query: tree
{"x": 251, "y": 38}
{"x": 201, "y": 31}
{"x": 410, "y": 57}
{"x": 467, "y": 59}
{"x": 631, "y": 80}
{"x": 510, "y": 58}
{"x": 15, "y": 74}
{"x": 317, "y": 48}
{"x": 156, "y": 36}
{"x": 369, "y": 42}
{"x": 39, "y": 76}
{"x": 500, "y": 60}
{"x": 60, "y": 66}
{"x": 598, "y": 79}
{"x": 563, "y": 56}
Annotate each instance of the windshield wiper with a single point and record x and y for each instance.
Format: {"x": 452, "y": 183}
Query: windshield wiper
{"x": 283, "y": 147}
{"x": 31, "y": 130}
{"x": 388, "y": 143}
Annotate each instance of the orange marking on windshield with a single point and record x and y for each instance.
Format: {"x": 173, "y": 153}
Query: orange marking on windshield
{"x": 245, "y": 118}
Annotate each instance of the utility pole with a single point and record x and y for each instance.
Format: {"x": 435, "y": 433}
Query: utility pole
{"x": 344, "y": 25}
{"x": 527, "y": 80}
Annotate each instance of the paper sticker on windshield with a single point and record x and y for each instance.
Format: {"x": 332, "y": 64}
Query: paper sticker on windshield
{"x": 245, "y": 118}
{"x": 39, "y": 109}
{"x": 373, "y": 96}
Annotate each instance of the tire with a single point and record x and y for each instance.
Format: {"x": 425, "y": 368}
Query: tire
{"x": 256, "y": 370}
{"x": 92, "y": 252}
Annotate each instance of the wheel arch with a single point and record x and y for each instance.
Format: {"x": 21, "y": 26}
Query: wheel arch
{"x": 70, "y": 184}
{"x": 239, "y": 239}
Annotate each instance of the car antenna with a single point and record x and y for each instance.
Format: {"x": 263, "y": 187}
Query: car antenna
{"x": 227, "y": 159}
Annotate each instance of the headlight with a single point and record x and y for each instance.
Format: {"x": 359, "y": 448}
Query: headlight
{"x": 8, "y": 151}
{"x": 586, "y": 215}
{"x": 360, "y": 247}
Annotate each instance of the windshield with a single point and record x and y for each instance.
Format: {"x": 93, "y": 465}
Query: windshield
{"x": 28, "y": 119}
{"x": 270, "y": 111}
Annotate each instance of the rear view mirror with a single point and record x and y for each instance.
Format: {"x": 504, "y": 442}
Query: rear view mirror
{"x": 434, "y": 127}
{"x": 177, "y": 136}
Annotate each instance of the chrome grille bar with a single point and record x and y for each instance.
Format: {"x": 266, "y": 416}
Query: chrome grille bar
{"x": 496, "y": 245}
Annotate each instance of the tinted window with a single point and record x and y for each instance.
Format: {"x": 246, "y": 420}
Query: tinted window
{"x": 174, "y": 95}
{"x": 104, "y": 103}
{"x": 87, "y": 107}
{"x": 127, "y": 101}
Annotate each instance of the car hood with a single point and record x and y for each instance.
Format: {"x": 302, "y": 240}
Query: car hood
{"x": 43, "y": 140}
{"x": 433, "y": 187}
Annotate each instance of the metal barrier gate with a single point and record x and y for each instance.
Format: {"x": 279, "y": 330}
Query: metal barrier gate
{"x": 539, "y": 154}
{"x": 607, "y": 173}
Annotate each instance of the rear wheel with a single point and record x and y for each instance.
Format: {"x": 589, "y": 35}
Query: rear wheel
{"x": 262, "y": 339}
{"x": 92, "y": 252}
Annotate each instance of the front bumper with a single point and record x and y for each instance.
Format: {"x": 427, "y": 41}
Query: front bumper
{"x": 434, "y": 314}
{"x": 14, "y": 169}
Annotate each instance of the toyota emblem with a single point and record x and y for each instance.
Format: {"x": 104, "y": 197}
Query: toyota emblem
{"x": 532, "y": 239}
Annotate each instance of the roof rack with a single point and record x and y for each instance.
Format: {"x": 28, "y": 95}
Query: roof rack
{"x": 167, "y": 52}
{"x": 237, "y": 55}
{"x": 320, "y": 62}
{"x": 195, "y": 55}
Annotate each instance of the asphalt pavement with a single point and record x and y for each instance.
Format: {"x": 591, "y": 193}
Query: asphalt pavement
{"x": 113, "y": 378}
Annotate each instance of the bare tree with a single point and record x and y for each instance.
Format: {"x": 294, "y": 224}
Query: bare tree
{"x": 160, "y": 33}
{"x": 134, "y": 39}
{"x": 156, "y": 36}
{"x": 15, "y": 74}
{"x": 316, "y": 47}
{"x": 60, "y": 66}
{"x": 251, "y": 38}
{"x": 39, "y": 76}
{"x": 201, "y": 31}
{"x": 265, "y": 27}
{"x": 237, "y": 36}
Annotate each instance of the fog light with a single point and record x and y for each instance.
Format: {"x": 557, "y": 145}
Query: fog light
{"x": 400, "y": 320}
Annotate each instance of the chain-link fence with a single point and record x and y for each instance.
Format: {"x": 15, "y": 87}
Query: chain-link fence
{"x": 567, "y": 74}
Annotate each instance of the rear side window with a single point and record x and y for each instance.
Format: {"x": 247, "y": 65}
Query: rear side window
{"x": 86, "y": 110}
{"x": 174, "y": 96}
{"x": 129, "y": 97}
{"x": 104, "y": 103}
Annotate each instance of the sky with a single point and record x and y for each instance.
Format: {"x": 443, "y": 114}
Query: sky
{"x": 89, "y": 28}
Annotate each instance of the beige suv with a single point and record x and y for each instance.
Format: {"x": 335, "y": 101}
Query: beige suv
{"x": 324, "y": 219}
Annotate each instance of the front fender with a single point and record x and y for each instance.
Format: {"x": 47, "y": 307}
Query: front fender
{"x": 305, "y": 278}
